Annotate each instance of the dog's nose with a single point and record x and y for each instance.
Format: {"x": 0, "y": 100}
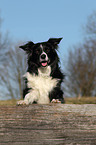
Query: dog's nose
{"x": 43, "y": 56}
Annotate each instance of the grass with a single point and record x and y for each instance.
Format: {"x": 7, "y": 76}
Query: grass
{"x": 84, "y": 100}
{"x": 8, "y": 102}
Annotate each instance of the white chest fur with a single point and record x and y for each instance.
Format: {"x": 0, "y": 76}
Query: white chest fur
{"x": 41, "y": 86}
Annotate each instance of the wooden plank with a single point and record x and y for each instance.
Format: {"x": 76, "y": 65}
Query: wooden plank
{"x": 53, "y": 124}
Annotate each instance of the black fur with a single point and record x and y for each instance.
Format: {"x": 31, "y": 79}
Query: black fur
{"x": 34, "y": 51}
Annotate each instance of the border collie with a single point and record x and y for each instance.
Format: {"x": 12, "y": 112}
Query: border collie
{"x": 43, "y": 78}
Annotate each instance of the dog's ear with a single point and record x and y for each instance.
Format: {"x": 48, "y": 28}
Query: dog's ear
{"x": 27, "y": 47}
{"x": 54, "y": 41}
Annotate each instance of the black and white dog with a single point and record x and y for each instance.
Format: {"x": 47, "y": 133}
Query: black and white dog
{"x": 43, "y": 77}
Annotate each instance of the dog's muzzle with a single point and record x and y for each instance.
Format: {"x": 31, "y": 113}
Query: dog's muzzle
{"x": 44, "y": 59}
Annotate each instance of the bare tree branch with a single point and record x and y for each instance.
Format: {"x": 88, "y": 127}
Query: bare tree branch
{"x": 12, "y": 67}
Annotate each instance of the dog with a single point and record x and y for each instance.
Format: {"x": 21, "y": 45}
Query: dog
{"x": 44, "y": 77}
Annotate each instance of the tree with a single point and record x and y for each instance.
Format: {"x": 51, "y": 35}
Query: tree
{"x": 12, "y": 76}
{"x": 82, "y": 64}
{"x": 90, "y": 27}
{"x": 82, "y": 69}
{"x": 5, "y": 43}
{"x": 12, "y": 67}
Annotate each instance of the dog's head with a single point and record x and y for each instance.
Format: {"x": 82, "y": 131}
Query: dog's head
{"x": 42, "y": 54}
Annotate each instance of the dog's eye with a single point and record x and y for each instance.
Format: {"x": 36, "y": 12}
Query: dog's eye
{"x": 37, "y": 51}
{"x": 47, "y": 50}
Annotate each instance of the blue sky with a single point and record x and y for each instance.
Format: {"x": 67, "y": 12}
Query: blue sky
{"x": 38, "y": 20}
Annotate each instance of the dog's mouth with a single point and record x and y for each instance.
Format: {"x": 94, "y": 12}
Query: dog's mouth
{"x": 44, "y": 63}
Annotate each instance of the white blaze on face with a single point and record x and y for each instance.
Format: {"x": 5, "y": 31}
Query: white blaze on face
{"x": 41, "y": 47}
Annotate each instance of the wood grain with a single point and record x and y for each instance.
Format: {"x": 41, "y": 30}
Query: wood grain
{"x": 53, "y": 124}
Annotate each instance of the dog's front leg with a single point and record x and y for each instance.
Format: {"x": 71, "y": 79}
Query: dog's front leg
{"x": 56, "y": 96}
{"x": 29, "y": 99}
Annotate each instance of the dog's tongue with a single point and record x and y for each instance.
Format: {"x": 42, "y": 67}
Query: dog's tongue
{"x": 44, "y": 64}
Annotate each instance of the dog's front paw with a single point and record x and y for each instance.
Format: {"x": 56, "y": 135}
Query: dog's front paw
{"x": 55, "y": 101}
{"x": 22, "y": 102}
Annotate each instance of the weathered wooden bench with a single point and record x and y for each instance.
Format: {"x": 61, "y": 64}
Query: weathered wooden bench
{"x": 53, "y": 124}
